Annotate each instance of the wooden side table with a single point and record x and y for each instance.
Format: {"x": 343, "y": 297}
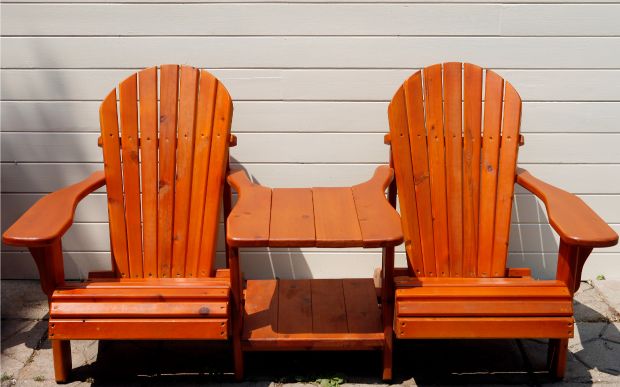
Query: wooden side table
{"x": 313, "y": 314}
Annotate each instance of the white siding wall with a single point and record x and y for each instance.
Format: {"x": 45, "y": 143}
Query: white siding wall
{"x": 311, "y": 81}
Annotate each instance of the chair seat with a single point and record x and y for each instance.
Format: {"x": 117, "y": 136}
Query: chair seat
{"x": 482, "y": 308}
{"x": 482, "y": 297}
{"x": 162, "y": 308}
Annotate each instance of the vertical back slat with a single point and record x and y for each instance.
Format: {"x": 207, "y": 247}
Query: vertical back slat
{"x": 505, "y": 183}
{"x": 169, "y": 95}
{"x": 454, "y": 163}
{"x": 488, "y": 176}
{"x": 401, "y": 154}
{"x": 202, "y": 150}
{"x": 114, "y": 182}
{"x": 184, "y": 164}
{"x": 217, "y": 170}
{"x": 147, "y": 80}
{"x": 131, "y": 172}
{"x": 419, "y": 160}
{"x": 437, "y": 165}
{"x": 472, "y": 94}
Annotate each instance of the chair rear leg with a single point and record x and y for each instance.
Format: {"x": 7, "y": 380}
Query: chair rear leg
{"x": 61, "y": 350}
{"x": 387, "y": 358}
{"x": 558, "y": 352}
{"x": 238, "y": 359}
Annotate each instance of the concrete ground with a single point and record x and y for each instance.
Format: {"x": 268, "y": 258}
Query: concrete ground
{"x": 27, "y": 359}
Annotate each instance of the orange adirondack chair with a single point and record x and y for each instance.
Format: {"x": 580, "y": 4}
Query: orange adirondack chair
{"x": 455, "y": 164}
{"x": 165, "y": 177}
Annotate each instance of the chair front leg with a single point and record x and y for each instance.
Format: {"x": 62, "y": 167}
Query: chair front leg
{"x": 236, "y": 283}
{"x": 571, "y": 259}
{"x": 50, "y": 264}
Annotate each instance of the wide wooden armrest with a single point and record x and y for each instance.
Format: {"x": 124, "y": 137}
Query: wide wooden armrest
{"x": 251, "y": 213}
{"x": 50, "y": 217}
{"x": 572, "y": 219}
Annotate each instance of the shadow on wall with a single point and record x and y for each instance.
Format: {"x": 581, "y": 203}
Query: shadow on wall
{"x": 266, "y": 263}
{"x": 533, "y": 243}
{"x": 40, "y": 157}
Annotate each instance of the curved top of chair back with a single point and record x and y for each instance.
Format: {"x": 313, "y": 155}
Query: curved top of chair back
{"x": 165, "y": 150}
{"x": 454, "y": 149}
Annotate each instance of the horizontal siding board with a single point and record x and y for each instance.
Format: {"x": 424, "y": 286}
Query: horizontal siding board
{"x": 568, "y": 148}
{"x": 302, "y": 84}
{"x": 303, "y": 116}
{"x": 44, "y": 177}
{"x": 536, "y": 238}
{"x": 309, "y": 52}
{"x": 311, "y": 19}
{"x": 529, "y": 209}
{"x": 561, "y": 19}
{"x": 250, "y": 19}
{"x": 92, "y": 209}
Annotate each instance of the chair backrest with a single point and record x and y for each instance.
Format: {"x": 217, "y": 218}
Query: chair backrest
{"x": 455, "y": 159}
{"x": 165, "y": 169}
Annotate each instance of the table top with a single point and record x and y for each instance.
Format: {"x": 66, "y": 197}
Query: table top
{"x": 357, "y": 216}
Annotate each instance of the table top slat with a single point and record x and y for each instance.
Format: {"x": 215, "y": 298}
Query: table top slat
{"x": 292, "y": 218}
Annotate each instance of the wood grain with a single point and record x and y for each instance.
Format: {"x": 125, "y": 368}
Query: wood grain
{"x": 147, "y": 81}
{"x": 472, "y": 121}
{"x": 128, "y": 94}
{"x": 433, "y": 93}
{"x": 114, "y": 183}
{"x": 292, "y": 218}
{"x": 169, "y": 96}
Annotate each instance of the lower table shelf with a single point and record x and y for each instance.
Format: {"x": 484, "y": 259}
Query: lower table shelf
{"x": 321, "y": 314}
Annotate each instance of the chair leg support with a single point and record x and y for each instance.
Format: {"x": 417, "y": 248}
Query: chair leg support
{"x": 61, "y": 350}
{"x": 387, "y": 305}
{"x": 236, "y": 284}
{"x": 558, "y": 352}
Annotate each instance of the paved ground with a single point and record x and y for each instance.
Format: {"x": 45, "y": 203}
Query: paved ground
{"x": 27, "y": 358}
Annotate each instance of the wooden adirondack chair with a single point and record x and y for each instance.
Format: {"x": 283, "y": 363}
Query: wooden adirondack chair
{"x": 164, "y": 174}
{"x": 455, "y": 163}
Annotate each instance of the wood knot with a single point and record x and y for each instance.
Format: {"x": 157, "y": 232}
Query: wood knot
{"x": 203, "y": 310}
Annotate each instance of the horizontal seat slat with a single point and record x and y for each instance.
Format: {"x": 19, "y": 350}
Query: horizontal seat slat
{"x": 464, "y": 292}
{"x": 440, "y": 308}
{"x": 407, "y": 282}
{"x": 116, "y": 283}
{"x": 147, "y": 294}
{"x": 138, "y": 309}
{"x": 483, "y": 328}
{"x": 138, "y": 329}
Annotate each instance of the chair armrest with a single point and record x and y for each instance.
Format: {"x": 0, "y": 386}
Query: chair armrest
{"x": 571, "y": 218}
{"x": 49, "y": 218}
